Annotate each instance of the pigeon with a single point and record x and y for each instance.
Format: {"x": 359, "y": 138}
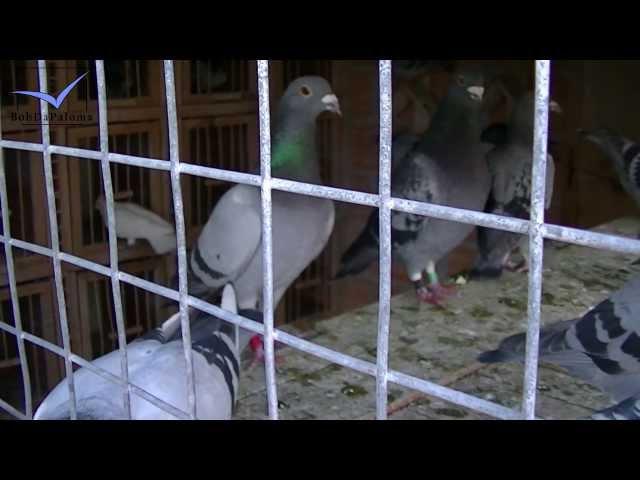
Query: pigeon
{"x": 510, "y": 164}
{"x": 157, "y": 365}
{"x": 229, "y": 248}
{"x": 601, "y": 348}
{"x": 626, "y": 410}
{"x": 134, "y": 222}
{"x": 623, "y": 153}
{"x": 446, "y": 167}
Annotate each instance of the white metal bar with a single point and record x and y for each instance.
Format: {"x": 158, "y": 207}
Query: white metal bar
{"x": 55, "y": 244}
{"x": 178, "y": 210}
{"x": 267, "y": 251}
{"x": 13, "y": 289}
{"x": 536, "y": 228}
{"x": 111, "y": 227}
{"x": 536, "y": 239}
{"x": 384, "y": 211}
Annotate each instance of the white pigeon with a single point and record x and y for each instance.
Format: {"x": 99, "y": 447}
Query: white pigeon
{"x": 157, "y": 365}
{"x": 135, "y": 222}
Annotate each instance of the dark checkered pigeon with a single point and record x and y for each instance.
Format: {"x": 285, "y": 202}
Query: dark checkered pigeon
{"x": 602, "y": 348}
{"x": 447, "y": 167}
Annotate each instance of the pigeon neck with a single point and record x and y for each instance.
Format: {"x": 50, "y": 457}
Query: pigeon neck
{"x": 523, "y": 136}
{"x": 454, "y": 125}
{"x": 293, "y": 155}
{"x": 521, "y": 126}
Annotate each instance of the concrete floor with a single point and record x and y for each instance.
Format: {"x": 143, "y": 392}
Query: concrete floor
{"x": 435, "y": 344}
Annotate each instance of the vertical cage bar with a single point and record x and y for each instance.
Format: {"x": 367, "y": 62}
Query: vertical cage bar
{"x": 13, "y": 289}
{"x": 267, "y": 253}
{"x": 384, "y": 211}
{"x": 55, "y": 243}
{"x": 111, "y": 227}
{"x": 536, "y": 239}
{"x": 174, "y": 156}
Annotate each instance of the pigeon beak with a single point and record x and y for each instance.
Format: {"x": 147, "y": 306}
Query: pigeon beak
{"x": 476, "y": 93}
{"x": 332, "y": 104}
{"x": 555, "y": 107}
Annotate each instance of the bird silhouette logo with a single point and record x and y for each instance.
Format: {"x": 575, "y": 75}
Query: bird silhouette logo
{"x": 56, "y": 102}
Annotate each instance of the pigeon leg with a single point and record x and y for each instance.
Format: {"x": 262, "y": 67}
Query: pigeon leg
{"x": 435, "y": 293}
{"x": 435, "y": 286}
{"x": 523, "y": 266}
{"x": 425, "y": 295}
{"x": 257, "y": 347}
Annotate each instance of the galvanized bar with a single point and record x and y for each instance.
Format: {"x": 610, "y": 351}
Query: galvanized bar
{"x": 86, "y": 264}
{"x": 573, "y": 236}
{"x": 454, "y": 396}
{"x": 536, "y": 240}
{"x": 29, "y": 146}
{"x": 535, "y": 228}
{"x": 111, "y": 227}
{"x": 30, "y": 247}
{"x": 13, "y": 289}
{"x": 16, "y": 413}
{"x": 55, "y": 244}
{"x": 321, "y": 191}
{"x": 384, "y": 304}
{"x": 553, "y": 232}
{"x": 178, "y": 210}
{"x": 218, "y": 174}
{"x": 150, "y": 286}
{"x": 584, "y": 238}
{"x": 267, "y": 251}
{"x": 459, "y": 215}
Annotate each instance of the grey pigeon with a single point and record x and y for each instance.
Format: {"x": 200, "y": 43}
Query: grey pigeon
{"x": 601, "y": 348}
{"x": 446, "y": 167}
{"x": 510, "y": 164}
{"x": 229, "y": 248}
{"x": 157, "y": 365}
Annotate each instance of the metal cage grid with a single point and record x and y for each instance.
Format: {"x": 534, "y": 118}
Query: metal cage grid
{"x": 535, "y": 228}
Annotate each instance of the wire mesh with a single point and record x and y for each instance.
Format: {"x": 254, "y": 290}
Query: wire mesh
{"x": 536, "y": 228}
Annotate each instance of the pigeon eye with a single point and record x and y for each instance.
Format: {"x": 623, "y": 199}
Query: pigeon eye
{"x": 305, "y": 91}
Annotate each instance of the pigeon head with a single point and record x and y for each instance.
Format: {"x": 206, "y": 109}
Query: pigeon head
{"x": 468, "y": 87}
{"x": 294, "y": 154}
{"x": 523, "y": 116}
{"x": 309, "y": 96}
